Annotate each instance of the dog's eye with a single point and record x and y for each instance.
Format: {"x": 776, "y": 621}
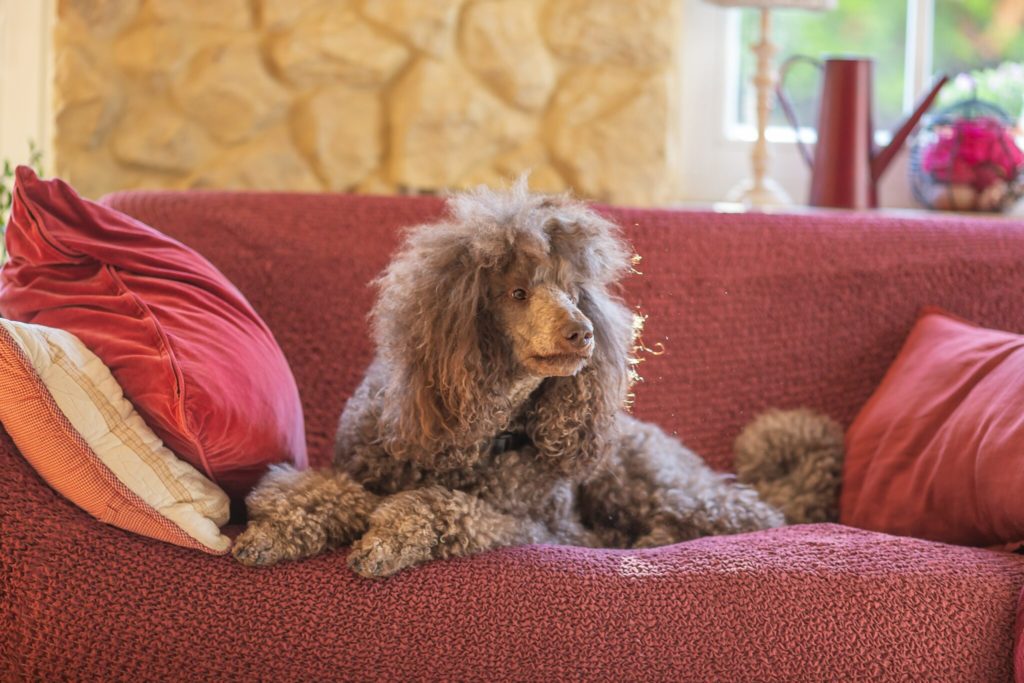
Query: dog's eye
{"x": 519, "y": 293}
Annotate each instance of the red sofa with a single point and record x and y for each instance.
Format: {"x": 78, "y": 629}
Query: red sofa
{"x": 752, "y": 311}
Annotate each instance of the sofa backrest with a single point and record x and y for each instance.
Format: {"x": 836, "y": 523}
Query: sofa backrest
{"x": 752, "y": 311}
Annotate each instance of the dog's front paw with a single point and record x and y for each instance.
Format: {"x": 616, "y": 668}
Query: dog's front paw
{"x": 260, "y": 545}
{"x": 379, "y": 554}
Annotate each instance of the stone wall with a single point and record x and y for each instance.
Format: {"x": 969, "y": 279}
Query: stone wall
{"x": 368, "y": 95}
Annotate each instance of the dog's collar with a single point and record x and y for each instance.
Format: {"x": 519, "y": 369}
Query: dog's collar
{"x": 508, "y": 441}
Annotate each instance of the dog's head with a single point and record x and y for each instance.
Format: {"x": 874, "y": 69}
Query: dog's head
{"x": 509, "y": 289}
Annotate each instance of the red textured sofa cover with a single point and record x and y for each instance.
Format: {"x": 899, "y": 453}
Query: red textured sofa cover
{"x": 753, "y": 311}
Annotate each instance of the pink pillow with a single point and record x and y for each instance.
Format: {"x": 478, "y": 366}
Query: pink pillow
{"x": 938, "y": 450}
{"x": 189, "y": 351}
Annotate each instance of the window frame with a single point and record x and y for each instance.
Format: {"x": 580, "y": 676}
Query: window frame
{"x": 725, "y": 152}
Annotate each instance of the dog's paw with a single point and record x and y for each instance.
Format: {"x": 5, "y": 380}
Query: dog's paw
{"x": 260, "y": 546}
{"x": 379, "y": 554}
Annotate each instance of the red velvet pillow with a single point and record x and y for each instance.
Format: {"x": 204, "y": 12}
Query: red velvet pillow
{"x": 189, "y": 351}
{"x": 938, "y": 450}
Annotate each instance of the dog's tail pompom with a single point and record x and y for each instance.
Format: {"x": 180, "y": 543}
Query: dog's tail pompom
{"x": 794, "y": 460}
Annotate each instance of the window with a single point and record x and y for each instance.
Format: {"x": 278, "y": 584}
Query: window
{"x": 874, "y": 28}
{"x": 984, "y": 40}
{"x": 908, "y": 39}
{"x": 971, "y": 34}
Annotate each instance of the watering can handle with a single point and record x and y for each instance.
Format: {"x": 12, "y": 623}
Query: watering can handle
{"x": 787, "y": 106}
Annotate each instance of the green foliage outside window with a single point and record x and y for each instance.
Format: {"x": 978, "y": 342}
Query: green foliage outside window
{"x": 866, "y": 28}
{"x": 976, "y": 37}
{"x": 977, "y": 34}
{"x": 981, "y": 41}
{"x": 1002, "y": 86}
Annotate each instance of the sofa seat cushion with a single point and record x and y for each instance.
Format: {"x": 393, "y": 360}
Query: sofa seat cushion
{"x": 1018, "y": 639}
{"x": 808, "y": 603}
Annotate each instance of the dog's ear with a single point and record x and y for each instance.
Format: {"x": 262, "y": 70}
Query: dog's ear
{"x": 431, "y": 325}
{"x": 573, "y": 419}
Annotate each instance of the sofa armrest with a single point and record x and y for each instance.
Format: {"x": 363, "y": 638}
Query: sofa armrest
{"x": 82, "y": 600}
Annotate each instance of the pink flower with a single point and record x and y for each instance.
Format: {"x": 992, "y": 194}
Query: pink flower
{"x": 973, "y": 151}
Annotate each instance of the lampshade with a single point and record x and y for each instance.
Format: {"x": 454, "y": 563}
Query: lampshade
{"x": 779, "y": 4}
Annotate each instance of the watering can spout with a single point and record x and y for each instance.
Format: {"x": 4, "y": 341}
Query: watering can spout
{"x": 884, "y": 157}
{"x": 845, "y": 167}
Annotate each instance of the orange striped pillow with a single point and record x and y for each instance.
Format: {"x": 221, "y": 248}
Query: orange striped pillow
{"x": 70, "y": 420}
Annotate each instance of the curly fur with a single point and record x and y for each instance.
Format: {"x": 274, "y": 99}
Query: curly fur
{"x": 794, "y": 460}
{"x": 459, "y": 361}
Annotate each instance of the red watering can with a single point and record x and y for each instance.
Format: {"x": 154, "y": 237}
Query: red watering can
{"x": 846, "y": 164}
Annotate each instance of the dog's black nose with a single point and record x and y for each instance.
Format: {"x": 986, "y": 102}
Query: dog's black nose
{"x": 579, "y": 334}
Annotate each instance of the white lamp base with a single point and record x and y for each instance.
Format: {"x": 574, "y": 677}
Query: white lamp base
{"x": 760, "y": 190}
{"x": 765, "y": 193}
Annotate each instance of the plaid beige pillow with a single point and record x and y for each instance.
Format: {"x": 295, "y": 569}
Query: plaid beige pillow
{"x": 71, "y": 421}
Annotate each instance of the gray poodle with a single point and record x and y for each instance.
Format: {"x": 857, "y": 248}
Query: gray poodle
{"x": 493, "y": 412}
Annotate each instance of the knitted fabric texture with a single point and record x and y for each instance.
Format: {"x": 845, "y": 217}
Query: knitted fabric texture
{"x": 752, "y": 311}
